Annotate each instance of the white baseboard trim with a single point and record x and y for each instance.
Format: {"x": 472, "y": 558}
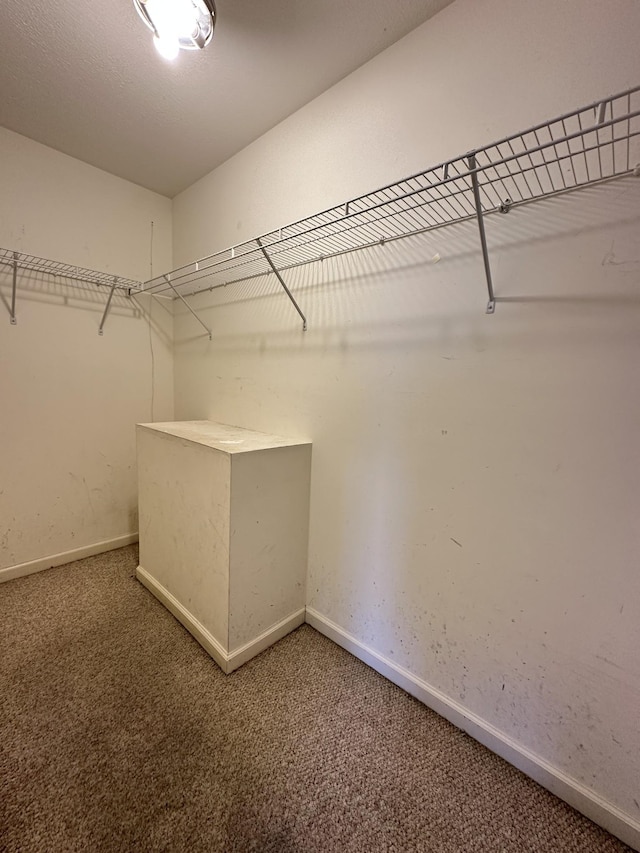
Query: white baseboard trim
{"x": 227, "y": 661}
{"x": 197, "y": 630}
{"x": 22, "y": 569}
{"x": 590, "y": 804}
{"x": 268, "y": 638}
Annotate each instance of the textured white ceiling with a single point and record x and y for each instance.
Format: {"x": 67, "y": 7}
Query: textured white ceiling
{"x": 84, "y": 77}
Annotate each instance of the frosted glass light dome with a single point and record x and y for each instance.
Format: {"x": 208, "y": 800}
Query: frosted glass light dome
{"x": 178, "y": 24}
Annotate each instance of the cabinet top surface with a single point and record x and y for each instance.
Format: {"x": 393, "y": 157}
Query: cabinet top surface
{"x": 223, "y": 437}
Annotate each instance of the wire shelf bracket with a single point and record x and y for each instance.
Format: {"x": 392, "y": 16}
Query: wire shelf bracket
{"x": 13, "y": 265}
{"x": 282, "y": 282}
{"x": 180, "y": 296}
{"x": 591, "y": 145}
{"x": 491, "y": 304}
{"x": 12, "y": 311}
{"x": 107, "y": 306}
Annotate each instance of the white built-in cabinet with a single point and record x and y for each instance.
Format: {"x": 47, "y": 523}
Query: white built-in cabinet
{"x": 224, "y": 522}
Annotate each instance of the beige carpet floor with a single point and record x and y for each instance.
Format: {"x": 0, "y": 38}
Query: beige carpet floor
{"x": 119, "y": 733}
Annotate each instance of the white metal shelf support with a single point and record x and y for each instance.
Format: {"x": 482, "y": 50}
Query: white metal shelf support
{"x": 12, "y": 318}
{"x": 107, "y": 306}
{"x": 10, "y": 259}
{"x": 180, "y": 296}
{"x": 491, "y": 305}
{"x": 282, "y": 282}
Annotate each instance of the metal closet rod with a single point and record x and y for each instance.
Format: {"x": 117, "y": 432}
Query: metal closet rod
{"x": 457, "y": 190}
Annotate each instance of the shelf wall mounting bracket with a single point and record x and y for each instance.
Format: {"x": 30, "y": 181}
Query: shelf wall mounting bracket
{"x": 12, "y": 313}
{"x": 281, "y": 280}
{"x": 107, "y": 306}
{"x": 180, "y": 296}
{"x": 491, "y": 304}
{"x": 602, "y": 112}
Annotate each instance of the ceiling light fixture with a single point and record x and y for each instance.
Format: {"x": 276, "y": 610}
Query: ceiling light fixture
{"x": 178, "y": 24}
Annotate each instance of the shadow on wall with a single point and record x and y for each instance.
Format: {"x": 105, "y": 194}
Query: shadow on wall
{"x": 68, "y": 293}
{"x": 37, "y": 287}
{"x": 437, "y": 277}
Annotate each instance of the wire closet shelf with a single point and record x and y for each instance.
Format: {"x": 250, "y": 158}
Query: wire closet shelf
{"x": 590, "y": 145}
{"x": 19, "y": 262}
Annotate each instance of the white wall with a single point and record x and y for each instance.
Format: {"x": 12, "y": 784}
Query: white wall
{"x": 70, "y": 398}
{"x": 475, "y": 479}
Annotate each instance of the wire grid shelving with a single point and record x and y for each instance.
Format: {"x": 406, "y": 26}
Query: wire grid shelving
{"x": 593, "y": 144}
{"x": 17, "y": 263}
{"x": 590, "y": 145}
